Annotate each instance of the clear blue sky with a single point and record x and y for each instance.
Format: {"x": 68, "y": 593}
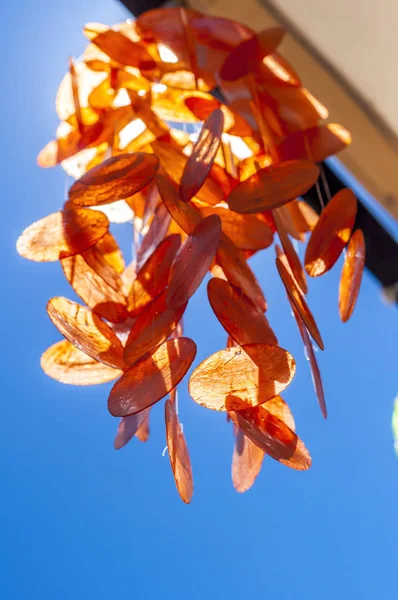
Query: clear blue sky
{"x": 80, "y": 520}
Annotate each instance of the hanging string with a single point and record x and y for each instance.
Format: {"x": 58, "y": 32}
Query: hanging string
{"x": 233, "y": 163}
{"x": 176, "y": 401}
{"x": 317, "y": 186}
{"x": 325, "y": 182}
{"x": 228, "y": 158}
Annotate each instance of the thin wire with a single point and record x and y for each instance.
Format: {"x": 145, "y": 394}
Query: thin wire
{"x": 319, "y": 193}
{"x": 325, "y": 182}
{"x": 329, "y": 196}
{"x": 317, "y": 186}
{"x": 224, "y": 155}
{"x": 136, "y": 241}
{"x": 66, "y": 187}
{"x": 233, "y": 164}
{"x": 176, "y": 400}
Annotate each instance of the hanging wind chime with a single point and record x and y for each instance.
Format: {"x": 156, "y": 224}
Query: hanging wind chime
{"x": 199, "y": 204}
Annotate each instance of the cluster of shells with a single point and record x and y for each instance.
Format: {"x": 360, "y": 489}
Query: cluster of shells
{"x": 199, "y": 133}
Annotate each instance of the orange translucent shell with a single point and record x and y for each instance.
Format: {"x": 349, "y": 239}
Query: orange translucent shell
{"x": 62, "y": 234}
{"x": 306, "y": 217}
{"x": 294, "y": 109}
{"x": 111, "y": 253}
{"x": 79, "y": 76}
{"x": 273, "y": 436}
{"x": 273, "y": 186}
{"x": 275, "y": 71}
{"x": 289, "y": 221}
{"x": 331, "y": 233}
{"x": 291, "y": 254}
{"x": 87, "y": 331}
{"x": 151, "y": 200}
{"x": 297, "y": 218}
{"x": 280, "y": 409}
{"x": 67, "y": 146}
{"x": 152, "y": 327}
{"x": 86, "y": 159}
{"x": 247, "y": 460}
{"x": 219, "y": 32}
{"x": 316, "y": 375}
{"x": 123, "y": 50}
{"x": 316, "y": 143}
{"x": 114, "y": 179}
{"x": 174, "y": 162}
{"x": 102, "y": 96}
{"x": 248, "y": 457}
{"x": 75, "y": 94}
{"x": 102, "y": 298}
{"x": 241, "y": 319}
{"x": 97, "y": 65}
{"x": 203, "y": 154}
{"x": 179, "y": 330}
{"x": 222, "y": 175}
{"x": 141, "y": 107}
{"x": 101, "y": 131}
{"x": 249, "y": 166}
{"x": 351, "y": 275}
{"x": 152, "y": 377}
{"x": 67, "y": 364}
{"x": 169, "y": 105}
{"x": 233, "y": 263}
{"x": 193, "y": 261}
{"x": 128, "y": 277}
{"x": 239, "y": 378}
{"x": 297, "y": 297}
{"x": 185, "y": 214}
{"x": 143, "y": 204}
{"x": 155, "y": 235}
{"x": 143, "y": 430}
{"x": 106, "y": 259}
{"x": 128, "y": 428}
{"x": 203, "y": 105}
{"x": 164, "y": 25}
{"x": 247, "y": 56}
{"x": 249, "y": 232}
{"x": 153, "y": 276}
{"x": 178, "y": 454}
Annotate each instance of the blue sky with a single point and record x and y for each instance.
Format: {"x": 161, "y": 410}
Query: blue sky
{"x": 80, "y": 520}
